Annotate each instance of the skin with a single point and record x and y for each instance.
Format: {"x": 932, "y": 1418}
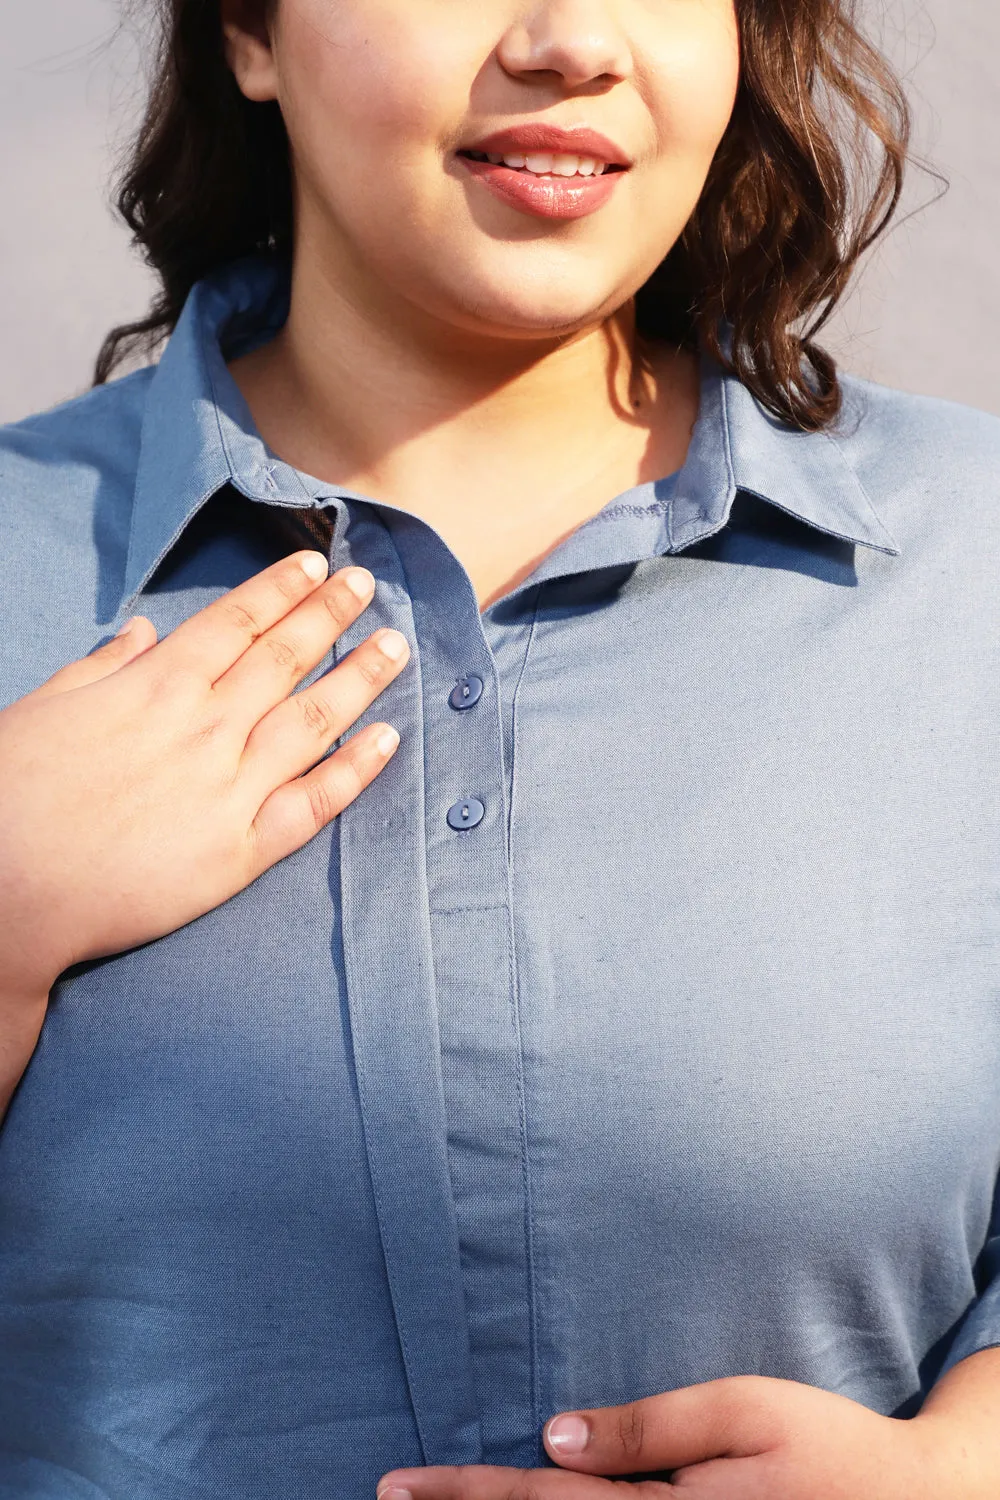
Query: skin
{"x": 749, "y": 1438}
{"x": 521, "y": 399}
{"x": 222, "y": 778}
{"x": 521, "y": 402}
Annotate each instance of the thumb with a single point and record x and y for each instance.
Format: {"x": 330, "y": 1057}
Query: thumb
{"x": 135, "y": 638}
{"x": 734, "y": 1418}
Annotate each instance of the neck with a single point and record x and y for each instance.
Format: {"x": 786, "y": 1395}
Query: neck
{"x": 532, "y": 435}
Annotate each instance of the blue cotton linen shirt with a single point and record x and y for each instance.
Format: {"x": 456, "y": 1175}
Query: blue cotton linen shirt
{"x": 683, "y": 1063}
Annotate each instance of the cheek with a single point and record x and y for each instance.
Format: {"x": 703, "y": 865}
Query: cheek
{"x": 362, "y": 78}
{"x": 693, "y": 76}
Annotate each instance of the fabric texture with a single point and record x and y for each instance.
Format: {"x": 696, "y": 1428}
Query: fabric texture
{"x": 683, "y": 1063}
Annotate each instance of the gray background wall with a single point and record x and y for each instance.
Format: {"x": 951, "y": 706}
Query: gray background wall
{"x": 923, "y": 317}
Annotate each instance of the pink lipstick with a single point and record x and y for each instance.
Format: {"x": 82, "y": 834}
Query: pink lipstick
{"x": 546, "y": 170}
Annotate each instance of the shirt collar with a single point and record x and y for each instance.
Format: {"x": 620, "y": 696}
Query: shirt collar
{"x": 198, "y": 436}
{"x": 737, "y": 446}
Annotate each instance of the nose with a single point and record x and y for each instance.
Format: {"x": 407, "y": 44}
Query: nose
{"x": 579, "y": 41}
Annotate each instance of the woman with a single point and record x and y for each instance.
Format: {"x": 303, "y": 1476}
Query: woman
{"x": 605, "y": 1083}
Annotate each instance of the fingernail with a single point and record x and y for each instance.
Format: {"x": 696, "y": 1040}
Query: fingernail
{"x": 394, "y": 1494}
{"x": 568, "y": 1435}
{"x": 315, "y": 566}
{"x": 126, "y": 627}
{"x": 387, "y": 742}
{"x": 393, "y": 645}
{"x": 360, "y": 582}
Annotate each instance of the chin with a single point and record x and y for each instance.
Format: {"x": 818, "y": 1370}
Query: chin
{"x": 556, "y": 309}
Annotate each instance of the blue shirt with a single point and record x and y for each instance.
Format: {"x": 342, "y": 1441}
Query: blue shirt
{"x": 684, "y": 1062}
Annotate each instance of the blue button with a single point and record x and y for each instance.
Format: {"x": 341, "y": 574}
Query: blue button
{"x": 467, "y": 692}
{"x": 468, "y": 813}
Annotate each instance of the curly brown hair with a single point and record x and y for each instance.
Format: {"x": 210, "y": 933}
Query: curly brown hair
{"x": 808, "y": 175}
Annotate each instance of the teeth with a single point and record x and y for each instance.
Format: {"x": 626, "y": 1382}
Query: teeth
{"x": 557, "y": 164}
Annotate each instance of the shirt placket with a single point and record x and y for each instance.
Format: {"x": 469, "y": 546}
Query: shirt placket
{"x": 467, "y": 914}
{"x": 464, "y": 684}
{"x": 467, "y": 685}
{"x": 393, "y": 1011}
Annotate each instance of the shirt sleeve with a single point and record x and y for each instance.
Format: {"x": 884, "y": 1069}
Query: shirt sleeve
{"x": 980, "y": 1327}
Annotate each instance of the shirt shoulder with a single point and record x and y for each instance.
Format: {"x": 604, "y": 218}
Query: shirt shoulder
{"x": 67, "y": 482}
{"x": 930, "y": 467}
{"x": 888, "y": 411}
{"x": 54, "y": 463}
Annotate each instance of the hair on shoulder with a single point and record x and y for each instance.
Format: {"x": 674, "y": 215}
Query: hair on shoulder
{"x": 807, "y": 177}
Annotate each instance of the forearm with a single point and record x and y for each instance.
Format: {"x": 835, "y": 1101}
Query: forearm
{"x": 962, "y": 1412}
{"x": 20, "y": 1027}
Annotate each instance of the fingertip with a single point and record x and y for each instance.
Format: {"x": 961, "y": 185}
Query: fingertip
{"x": 387, "y": 741}
{"x": 360, "y": 581}
{"x": 567, "y": 1435}
{"x": 315, "y": 566}
{"x": 396, "y": 1485}
{"x": 137, "y": 634}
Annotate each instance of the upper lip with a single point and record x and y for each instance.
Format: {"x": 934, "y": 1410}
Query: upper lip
{"x": 533, "y": 136}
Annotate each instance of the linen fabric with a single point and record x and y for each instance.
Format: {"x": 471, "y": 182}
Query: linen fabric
{"x": 683, "y": 1063}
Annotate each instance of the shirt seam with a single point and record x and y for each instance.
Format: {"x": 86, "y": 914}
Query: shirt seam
{"x": 451, "y": 911}
{"x": 530, "y": 1226}
{"x": 655, "y": 508}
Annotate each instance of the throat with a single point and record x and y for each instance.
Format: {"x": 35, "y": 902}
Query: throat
{"x": 504, "y": 479}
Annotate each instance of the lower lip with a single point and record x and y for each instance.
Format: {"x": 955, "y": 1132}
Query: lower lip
{"x": 548, "y": 197}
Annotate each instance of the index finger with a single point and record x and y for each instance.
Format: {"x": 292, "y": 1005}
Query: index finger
{"x": 210, "y": 641}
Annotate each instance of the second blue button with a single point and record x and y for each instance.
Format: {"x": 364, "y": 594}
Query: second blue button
{"x": 468, "y": 813}
{"x": 466, "y": 692}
